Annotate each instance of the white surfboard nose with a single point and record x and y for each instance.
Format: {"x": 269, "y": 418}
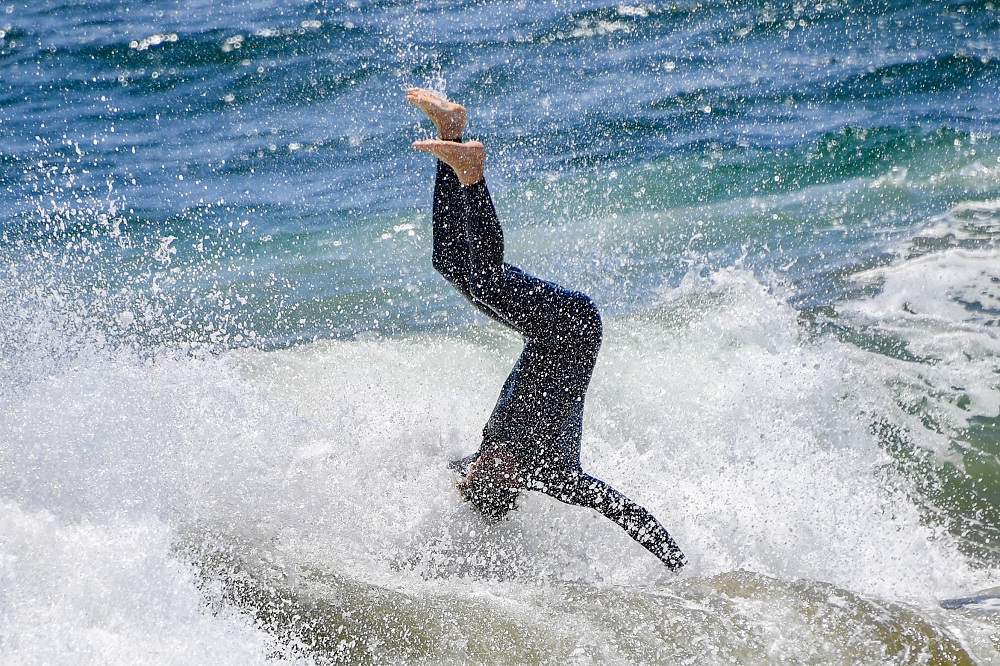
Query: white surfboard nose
{"x": 984, "y": 600}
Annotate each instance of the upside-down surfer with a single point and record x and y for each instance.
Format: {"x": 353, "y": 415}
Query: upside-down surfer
{"x": 532, "y": 438}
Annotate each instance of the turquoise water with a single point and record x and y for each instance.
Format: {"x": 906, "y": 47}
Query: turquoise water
{"x": 230, "y": 379}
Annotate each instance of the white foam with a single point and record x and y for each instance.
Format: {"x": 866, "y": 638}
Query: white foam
{"x": 750, "y": 444}
{"x": 80, "y": 592}
{"x": 941, "y": 298}
{"x": 759, "y": 442}
{"x": 968, "y": 220}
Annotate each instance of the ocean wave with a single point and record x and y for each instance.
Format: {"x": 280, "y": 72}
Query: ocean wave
{"x": 306, "y": 489}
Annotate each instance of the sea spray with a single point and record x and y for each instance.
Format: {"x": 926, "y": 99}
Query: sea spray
{"x": 230, "y": 381}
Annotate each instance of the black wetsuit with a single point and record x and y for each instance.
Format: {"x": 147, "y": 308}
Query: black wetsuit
{"x": 539, "y": 415}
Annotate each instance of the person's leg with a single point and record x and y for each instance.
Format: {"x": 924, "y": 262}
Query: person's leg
{"x": 562, "y": 329}
{"x": 557, "y": 319}
{"x": 563, "y": 335}
{"x": 538, "y": 309}
{"x": 450, "y": 255}
{"x": 452, "y": 244}
{"x": 586, "y": 491}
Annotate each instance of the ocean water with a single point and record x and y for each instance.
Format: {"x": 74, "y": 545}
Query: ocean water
{"x": 230, "y": 380}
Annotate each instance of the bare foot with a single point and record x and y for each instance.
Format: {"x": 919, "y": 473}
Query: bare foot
{"x": 448, "y": 117}
{"x": 467, "y": 159}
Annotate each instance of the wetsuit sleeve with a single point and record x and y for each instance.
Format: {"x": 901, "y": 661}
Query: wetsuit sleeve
{"x": 584, "y": 490}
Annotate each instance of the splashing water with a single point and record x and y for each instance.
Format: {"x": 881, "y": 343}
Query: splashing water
{"x": 230, "y": 381}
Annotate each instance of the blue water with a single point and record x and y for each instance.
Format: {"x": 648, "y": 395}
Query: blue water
{"x": 788, "y": 212}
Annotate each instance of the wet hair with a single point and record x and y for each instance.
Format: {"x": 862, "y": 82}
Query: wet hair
{"x": 493, "y": 483}
{"x": 493, "y": 499}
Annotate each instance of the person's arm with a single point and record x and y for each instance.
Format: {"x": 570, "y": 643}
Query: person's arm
{"x": 584, "y": 490}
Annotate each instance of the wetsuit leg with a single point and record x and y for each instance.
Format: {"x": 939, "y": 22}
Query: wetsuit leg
{"x": 584, "y": 490}
{"x": 468, "y": 252}
{"x": 451, "y": 239}
{"x": 451, "y": 243}
{"x": 537, "y": 309}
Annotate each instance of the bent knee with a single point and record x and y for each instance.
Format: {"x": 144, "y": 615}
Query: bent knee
{"x": 483, "y": 286}
{"x": 589, "y": 323}
{"x": 446, "y": 268}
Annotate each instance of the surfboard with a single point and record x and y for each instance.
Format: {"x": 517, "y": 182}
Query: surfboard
{"x": 984, "y": 600}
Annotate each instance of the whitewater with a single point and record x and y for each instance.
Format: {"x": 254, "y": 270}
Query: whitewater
{"x": 230, "y": 381}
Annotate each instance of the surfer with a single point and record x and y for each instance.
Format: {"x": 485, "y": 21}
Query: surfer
{"x": 532, "y": 439}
